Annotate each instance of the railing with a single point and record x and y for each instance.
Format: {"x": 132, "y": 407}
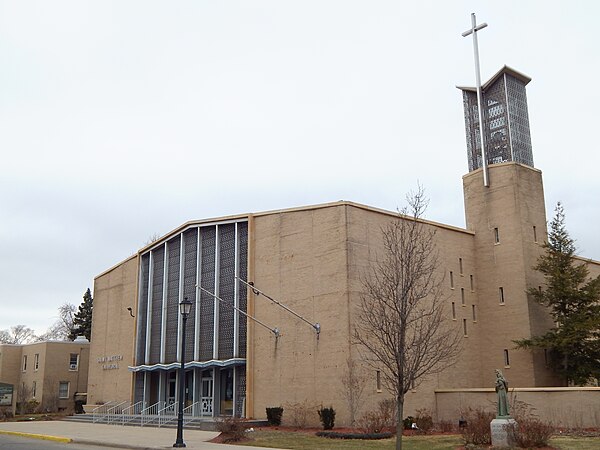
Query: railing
{"x": 132, "y": 412}
{"x": 99, "y": 413}
{"x": 167, "y": 414}
{"x": 160, "y": 413}
{"x": 190, "y": 413}
{"x": 116, "y": 411}
{"x": 150, "y": 414}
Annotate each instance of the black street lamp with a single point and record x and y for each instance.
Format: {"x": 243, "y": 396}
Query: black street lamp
{"x": 185, "y": 306}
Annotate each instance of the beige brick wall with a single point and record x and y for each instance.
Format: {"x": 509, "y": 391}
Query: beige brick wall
{"x": 113, "y": 332}
{"x": 299, "y": 259}
{"x": 513, "y": 203}
{"x": 564, "y": 407}
{"x": 313, "y": 261}
{"x": 10, "y": 363}
{"x": 52, "y": 368}
{"x": 364, "y": 246}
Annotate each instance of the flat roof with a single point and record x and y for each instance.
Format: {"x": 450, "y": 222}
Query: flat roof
{"x": 504, "y": 70}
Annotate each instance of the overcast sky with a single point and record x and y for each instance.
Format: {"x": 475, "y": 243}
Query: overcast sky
{"x": 121, "y": 120}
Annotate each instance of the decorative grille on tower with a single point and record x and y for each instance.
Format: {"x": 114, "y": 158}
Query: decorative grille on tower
{"x": 505, "y": 121}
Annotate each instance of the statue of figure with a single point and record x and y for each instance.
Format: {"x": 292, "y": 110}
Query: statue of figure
{"x": 502, "y": 391}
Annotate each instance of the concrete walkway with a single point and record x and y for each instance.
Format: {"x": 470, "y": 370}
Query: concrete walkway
{"x": 115, "y": 436}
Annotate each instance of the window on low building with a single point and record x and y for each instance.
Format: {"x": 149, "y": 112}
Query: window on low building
{"x": 33, "y": 389}
{"x": 501, "y": 294}
{"x": 73, "y": 361}
{"x": 465, "y": 327}
{"x": 24, "y": 363}
{"x": 378, "y": 380}
{"x": 451, "y": 280}
{"x": 36, "y": 361}
{"x": 460, "y": 265}
{"x": 534, "y": 234}
{"x": 472, "y": 283}
{"x": 453, "y": 311}
{"x": 496, "y": 236}
{"x": 63, "y": 389}
{"x": 462, "y": 296}
{"x": 506, "y": 359}
{"x": 474, "y": 309}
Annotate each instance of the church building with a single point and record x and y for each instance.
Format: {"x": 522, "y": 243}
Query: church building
{"x": 275, "y": 294}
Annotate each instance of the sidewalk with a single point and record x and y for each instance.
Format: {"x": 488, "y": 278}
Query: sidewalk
{"x": 115, "y": 436}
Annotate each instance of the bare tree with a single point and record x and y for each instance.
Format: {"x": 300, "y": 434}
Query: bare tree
{"x": 63, "y": 326}
{"x": 353, "y": 386}
{"x": 402, "y": 325}
{"x": 18, "y": 334}
{"x": 23, "y": 395}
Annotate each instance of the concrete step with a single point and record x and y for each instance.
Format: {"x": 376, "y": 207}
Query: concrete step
{"x": 203, "y": 424}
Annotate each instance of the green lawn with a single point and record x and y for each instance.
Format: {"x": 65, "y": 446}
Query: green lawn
{"x": 300, "y": 441}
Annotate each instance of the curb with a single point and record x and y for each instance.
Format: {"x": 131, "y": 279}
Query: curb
{"x": 38, "y": 436}
{"x": 113, "y": 445}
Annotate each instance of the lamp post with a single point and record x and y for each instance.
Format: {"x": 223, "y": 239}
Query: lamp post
{"x": 185, "y": 306}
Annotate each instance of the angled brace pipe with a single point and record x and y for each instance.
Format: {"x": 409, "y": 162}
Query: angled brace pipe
{"x": 256, "y": 291}
{"x": 275, "y": 330}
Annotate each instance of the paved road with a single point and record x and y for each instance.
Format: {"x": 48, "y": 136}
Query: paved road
{"x": 23, "y": 443}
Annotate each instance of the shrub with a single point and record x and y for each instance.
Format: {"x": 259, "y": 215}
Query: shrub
{"x": 274, "y": 415}
{"x": 477, "y": 429}
{"x": 424, "y": 420}
{"x": 327, "y": 416}
{"x": 388, "y": 410}
{"x": 231, "y": 428}
{"x": 446, "y": 426}
{"x": 531, "y": 432}
{"x": 372, "y": 422}
{"x": 407, "y": 422}
{"x": 336, "y": 435}
{"x": 301, "y": 414}
{"x": 5, "y": 414}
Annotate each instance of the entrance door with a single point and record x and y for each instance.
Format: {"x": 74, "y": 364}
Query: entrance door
{"x": 226, "y": 392}
{"x": 189, "y": 388}
{"x": 171, "y": 387}
{"x": 206, "y": 393}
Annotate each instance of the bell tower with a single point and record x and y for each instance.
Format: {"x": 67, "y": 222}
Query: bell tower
{"x": 505, "y": 119}
{"x": 508, "y": 217}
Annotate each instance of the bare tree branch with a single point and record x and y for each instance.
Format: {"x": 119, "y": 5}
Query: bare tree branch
{"x": 402, "y": 325}
{"x": 18, "y": 334}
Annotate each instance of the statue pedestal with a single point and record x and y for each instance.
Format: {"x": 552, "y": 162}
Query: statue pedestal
{"x": 501, "y": 432}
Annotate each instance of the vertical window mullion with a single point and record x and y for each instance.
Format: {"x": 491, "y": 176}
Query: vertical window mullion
{"x": 149, "y": 306}
{"x": 163, "y": 316}
{"x": 216, "y": 302}
{"x": 198, "y": 294}
{"x": 179, "y": 320}
{"x": 236, "y": 299}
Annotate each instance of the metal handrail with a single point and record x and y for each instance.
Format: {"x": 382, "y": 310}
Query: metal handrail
{"x": 99, "y": 412}
{"x": 113, "y": 412}
{"x": 130, "y": 412}
{"x": 149, "y": 414}
{"x": 187, "y": 417}
{"x": 167, "y": 414}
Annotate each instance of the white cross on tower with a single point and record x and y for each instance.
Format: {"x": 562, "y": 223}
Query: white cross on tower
{"x": 474, "y": 29}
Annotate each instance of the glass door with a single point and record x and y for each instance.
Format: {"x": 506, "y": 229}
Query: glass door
{"x": 206, "y": 393}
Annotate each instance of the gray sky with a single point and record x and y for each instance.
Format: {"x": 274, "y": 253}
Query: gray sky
{"x": 120, "y": 120}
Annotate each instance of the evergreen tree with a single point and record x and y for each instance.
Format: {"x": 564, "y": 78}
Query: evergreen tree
{"x": 574, "y": 302}
{"x": 82, "y": 321}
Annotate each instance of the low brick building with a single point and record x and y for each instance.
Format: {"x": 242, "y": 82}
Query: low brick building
{"x": 49, "y": 373}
